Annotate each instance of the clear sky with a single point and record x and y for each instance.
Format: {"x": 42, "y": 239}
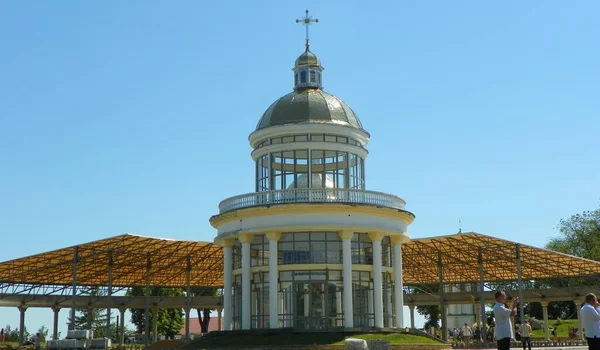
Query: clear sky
{"x": 133, "y": 116}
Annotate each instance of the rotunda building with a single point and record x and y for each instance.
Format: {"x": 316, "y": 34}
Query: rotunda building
{"x": 311, "y": 248}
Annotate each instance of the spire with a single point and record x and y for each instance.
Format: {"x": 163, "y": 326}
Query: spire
{"x": 307, "y": 21}
{"x": 307, "y": 70}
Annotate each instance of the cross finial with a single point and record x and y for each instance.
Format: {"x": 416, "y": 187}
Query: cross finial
{"x": 307, "y": 21}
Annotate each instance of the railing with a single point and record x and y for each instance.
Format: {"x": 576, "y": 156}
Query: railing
{"x": 312, "y": 195}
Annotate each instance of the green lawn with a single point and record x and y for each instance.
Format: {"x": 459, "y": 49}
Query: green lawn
{"x": 562, "y": 329}
{"x": 242, "y": 340}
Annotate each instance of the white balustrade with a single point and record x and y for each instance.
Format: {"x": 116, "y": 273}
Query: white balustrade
{"x": 312, "y": 195}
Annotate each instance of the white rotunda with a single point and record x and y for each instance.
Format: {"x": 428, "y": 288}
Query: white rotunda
{"x": 311, "y": 248}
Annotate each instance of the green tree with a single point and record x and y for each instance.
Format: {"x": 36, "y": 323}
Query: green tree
{"x": 204, "y": 314}
{"x": 580, "y": 235}
{"x": 43, "y": 332}
{"x": 169, "y": 321}
{"x": 97, "y": 317}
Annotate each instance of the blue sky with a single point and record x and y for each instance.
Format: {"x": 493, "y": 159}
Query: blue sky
{"x": 133, "y": 116}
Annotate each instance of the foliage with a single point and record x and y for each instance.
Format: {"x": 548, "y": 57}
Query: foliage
{"x": 169, "y": 321}
{"x": 95, "y": 317}
{"x": 43, "y": 332}
{"x": 580, "y": 235}
{"x": 431, "y": 313}
{"x": 204, "y": 319}
{"x": 12, "y": 335}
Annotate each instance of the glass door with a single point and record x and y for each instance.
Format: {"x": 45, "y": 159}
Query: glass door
{"x": 310, "y": 305}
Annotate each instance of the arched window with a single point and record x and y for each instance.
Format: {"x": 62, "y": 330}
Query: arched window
{"x": 296, "y": 79}
{"x": 313, "y": 76}
{"x": 303, "y": 76}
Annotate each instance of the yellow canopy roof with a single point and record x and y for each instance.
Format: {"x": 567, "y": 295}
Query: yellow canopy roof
{"x": 131, "y": 254}
{"x": 168, "y": 261}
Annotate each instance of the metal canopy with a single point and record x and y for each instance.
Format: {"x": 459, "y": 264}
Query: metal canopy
{"x": 130, "y": 255}
{"x": 167, "y": 260}
{"x": 460, "y": 256}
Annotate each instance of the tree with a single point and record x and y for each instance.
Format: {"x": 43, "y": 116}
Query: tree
{"x": 95, "y": 317}
{"x": 43, "y": 332}
{"x": 204, "y": 319}
{"x": 580, "y": 235}
{"x": 169, "y": 321}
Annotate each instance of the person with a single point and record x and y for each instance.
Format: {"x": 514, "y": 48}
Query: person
{"x": 36, "y": 341}
{"x": 590, "y": 321}
{"x": 467, "y": 334}
{"x": 503, "y": 329}
{"x": 525, "y": 331}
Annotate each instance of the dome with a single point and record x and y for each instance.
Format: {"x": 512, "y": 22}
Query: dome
{"x": 309, "y": 106}
{"x": 308, "y": 59}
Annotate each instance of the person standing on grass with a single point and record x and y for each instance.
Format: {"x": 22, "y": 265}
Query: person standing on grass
{"x": 503, "y": 329}
{"x": 590, "y": 320}
{"x": 525, "y": 331}
{"x": 467, "y": 334}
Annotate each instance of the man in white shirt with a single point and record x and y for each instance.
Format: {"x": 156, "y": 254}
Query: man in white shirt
{"x": 590, "y": 321}
{"x": 525, "y": 331}
{"x": 503, "y": 329}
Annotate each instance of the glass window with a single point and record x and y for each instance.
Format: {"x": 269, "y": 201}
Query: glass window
{"x": 310, "y": 248}
{"x": 313, "y": 77}
{"x": 296, "y": 79}
{"x": 362, "y": 249}
{"x": 303, "y": 76}
{"x": 301, "y": 138}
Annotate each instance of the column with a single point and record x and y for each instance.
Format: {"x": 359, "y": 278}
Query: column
{"x": 273, "y": 238}
{"x": 482, "y": 296}
{"x": 412, "y": 315}
{"x": 398, "y": 283}
{"x": 188, "y": 297}
{"x": 520, "y": 282}
{"x": 109, "y": 293}
{"x": 443, "y": 309}
{"x": 154, "y": 325}
{"x": 219, "y": 319}
{"x": 227, "y": 281}
{"x": 545, "y": 312}
{"x": 22, "y": 310}
{"x": 55, "y": 309}
{"x": 147, "y": 306}
{"x": 376, "y": 238}
{"x": 390, "y": 312}
{"x": 89, "y": 318}
{"x": 74, "y": 287}
{"x": 245, "y": 239}
{"x": 580, "y": 325}
{"x": 122, "y": 327}
{"x": 346, "y": 237}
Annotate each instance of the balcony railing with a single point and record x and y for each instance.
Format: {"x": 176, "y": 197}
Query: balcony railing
{"x": 312, "y": 195}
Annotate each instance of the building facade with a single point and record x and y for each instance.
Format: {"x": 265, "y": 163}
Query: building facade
{"x": 311, "y": 248}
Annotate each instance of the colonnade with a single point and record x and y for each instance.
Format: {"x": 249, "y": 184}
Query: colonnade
{"x": 121, "y": 325}
{"x": 346, "y": 238}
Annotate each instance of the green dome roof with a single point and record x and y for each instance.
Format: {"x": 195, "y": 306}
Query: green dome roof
{"x": 309, "y": 106}
{"x": 308, "y": 59}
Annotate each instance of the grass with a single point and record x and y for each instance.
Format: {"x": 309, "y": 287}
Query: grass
{"x": 562, "y": 330}
{"x": 241, "y": 340}
{"x": 395, "y": 339}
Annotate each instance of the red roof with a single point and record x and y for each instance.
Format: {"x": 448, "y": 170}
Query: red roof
{"x": 213, "y": 325}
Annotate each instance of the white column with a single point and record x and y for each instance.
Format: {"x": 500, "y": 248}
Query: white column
{"x": 376, "y": 238}
{"x": 398, "y": 286}
{"x": 273, "y": 237}
{"x": 390, "y": 315}
{"x": 545, "y": 312}
{"x": 245, "y": 239}
{"x": 219, "y": 318}
{"x": 578, "y": 307}
{"x": 346, "y": 237}
{"x": 412, "y": 316}
{"x": 227, "y": 281}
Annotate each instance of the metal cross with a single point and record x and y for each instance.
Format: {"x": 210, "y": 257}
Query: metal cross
{"x": 307, "y": 21}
